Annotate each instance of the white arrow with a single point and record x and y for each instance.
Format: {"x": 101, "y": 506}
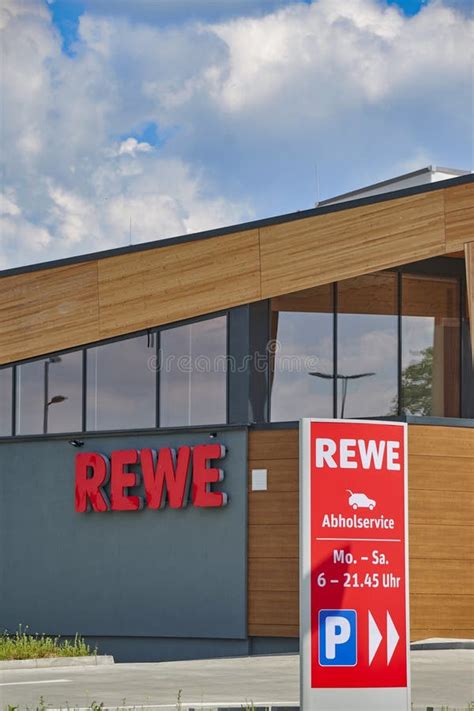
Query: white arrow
{"x": 392, "y": 637}
{"x": 374, "y": 638}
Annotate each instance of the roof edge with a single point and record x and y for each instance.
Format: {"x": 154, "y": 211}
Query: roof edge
{"x": 231, "y": 229}
{"x": 403, "y": 176}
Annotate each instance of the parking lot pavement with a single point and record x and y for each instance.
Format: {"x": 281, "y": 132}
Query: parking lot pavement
{"x": 439, "y": 677}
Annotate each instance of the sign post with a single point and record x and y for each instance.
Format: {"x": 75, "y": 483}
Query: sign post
{"x": 354, "y": 622}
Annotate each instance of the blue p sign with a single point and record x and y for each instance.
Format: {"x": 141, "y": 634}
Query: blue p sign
{"x": 337, "y": 638}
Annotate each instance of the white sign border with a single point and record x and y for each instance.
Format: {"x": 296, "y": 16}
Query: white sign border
{"x": 363, "y": 699}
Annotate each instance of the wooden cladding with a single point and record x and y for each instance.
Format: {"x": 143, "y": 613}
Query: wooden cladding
{"x": 63, "y": 307}
{"x": 441, "y": 535}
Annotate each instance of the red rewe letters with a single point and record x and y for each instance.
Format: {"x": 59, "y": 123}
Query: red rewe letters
{"x": 204, "y": 476}
{"x": 89, "y": 492}
{"x": 166, "y": 476}
{"x": 169, "y": 468}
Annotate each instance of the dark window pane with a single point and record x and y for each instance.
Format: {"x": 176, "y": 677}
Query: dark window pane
{"x": 193, "y": 380}
{"x": 430, "y": 344}
{"x": 301, "y": 355}
{"x": 121, "y": 392}
{"x": 49, "y": 395}
{"x": 367, "y": 346}
{"x": 5, "y": 402}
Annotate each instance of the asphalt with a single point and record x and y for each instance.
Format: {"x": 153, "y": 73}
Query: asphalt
{"x": 439, "y": 678}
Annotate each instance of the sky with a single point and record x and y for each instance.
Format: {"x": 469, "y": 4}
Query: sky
{"x": 124, "y": 122}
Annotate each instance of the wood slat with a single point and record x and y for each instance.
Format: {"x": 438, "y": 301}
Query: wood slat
{"x": 454, "y": 610}
{"x": 273, "y": 630}
{"x": 449, "y": 508}
{"x": 317, "y": 250}
{"x": 275, "y": 444}
{"x": 274, "y": 508}
{"x": 280, "y": 574}
{"x": 146, "y": 289}
{"x": 441, "y": 542}
{"x": 273, "y": 541}
{"x": 443, "y": 473}
{"x": 48, "y": 310}
{"x": 267, "y": 607}
{"x": 459, "y": 206}
{"x": 425, "y": 576}
{"x": 441, "y": 441}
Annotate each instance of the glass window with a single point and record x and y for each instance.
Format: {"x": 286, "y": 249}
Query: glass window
{"x": 5, "y": 402}
{"x": 430, "y": 345}
{"x": 49, "y": 395}
{"x": 301, "y": 355}
{"x": 193, "y": 379}
{"x": 368, "y": 346}
{"x": 121, "y": 385}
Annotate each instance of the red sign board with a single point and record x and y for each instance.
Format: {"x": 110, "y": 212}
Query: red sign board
{"x": 354, "y": 587}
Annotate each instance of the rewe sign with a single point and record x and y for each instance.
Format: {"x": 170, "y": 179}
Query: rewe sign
{"x": 168, "y": 477}
{"x": 354, "y": 566}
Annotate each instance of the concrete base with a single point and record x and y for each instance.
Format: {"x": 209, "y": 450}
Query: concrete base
{"x": 47, "y": 662}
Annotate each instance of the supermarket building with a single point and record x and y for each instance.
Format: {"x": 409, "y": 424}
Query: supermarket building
{"x": 195, "y": 357}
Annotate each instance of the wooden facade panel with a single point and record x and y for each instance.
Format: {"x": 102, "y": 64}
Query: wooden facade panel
{"x": 167, "y": 284}
{"x": 273, "y": 574}
{"x": 452, "y": 442}
{"x": 268, "y": 606}
{"x": 274, "y": 508}
{"x": 459, "y": 206}
{"x": 325, "y": 248}
{"x": 273, "y": 630}
{"x": 437, "y": 543}
{"x": 455, "y": 611}
{"x": 48, "y": 310}
{"x": 273, "y": 541}
{"x": 276, "y": 444}
{"x": 65, "y": 307}
{"x": 449, "y": 507}
{"x": 442, "y": 474}
{"x": 426, "y": 577}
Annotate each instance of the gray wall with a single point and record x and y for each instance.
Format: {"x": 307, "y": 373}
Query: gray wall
{"x": 166, "y": 573}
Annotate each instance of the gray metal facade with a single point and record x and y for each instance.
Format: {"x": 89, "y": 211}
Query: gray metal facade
{"x": 176, "y": 576}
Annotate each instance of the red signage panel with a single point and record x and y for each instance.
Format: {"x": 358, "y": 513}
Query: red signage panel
{"x": 354, "y": 585}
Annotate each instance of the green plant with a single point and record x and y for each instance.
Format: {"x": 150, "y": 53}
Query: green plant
{"x": 22, "y": 645}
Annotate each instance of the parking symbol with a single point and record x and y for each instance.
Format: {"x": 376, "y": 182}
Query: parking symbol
{"x": 337, "y": 638}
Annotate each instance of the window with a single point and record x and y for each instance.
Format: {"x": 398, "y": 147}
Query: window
{"x": 49, "y": 395}
{"x": 121, "y": 385}
{"x": 367, "y": 350}
{"x": 6, "y": 381}
{"x": 193, "y": 378}
{"x": 430, "y": 345}
{"x": 301, "y": 355}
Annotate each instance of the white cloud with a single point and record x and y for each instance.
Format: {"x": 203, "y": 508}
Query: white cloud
{"x": 247, "y": 106}
{"x": 131, "y": 147}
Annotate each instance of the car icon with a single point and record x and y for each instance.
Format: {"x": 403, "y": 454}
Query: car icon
{"x": 360, "y": 501}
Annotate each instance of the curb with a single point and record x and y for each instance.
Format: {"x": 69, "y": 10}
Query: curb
{"x": 45, "y": 662}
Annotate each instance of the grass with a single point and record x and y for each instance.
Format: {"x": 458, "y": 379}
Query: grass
{"x": 22, "y": 645}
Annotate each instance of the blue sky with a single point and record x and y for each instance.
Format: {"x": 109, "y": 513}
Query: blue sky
{"x": 176, "y": 116}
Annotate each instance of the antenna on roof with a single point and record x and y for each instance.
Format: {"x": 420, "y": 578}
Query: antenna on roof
{"x": 130, "y": 232}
